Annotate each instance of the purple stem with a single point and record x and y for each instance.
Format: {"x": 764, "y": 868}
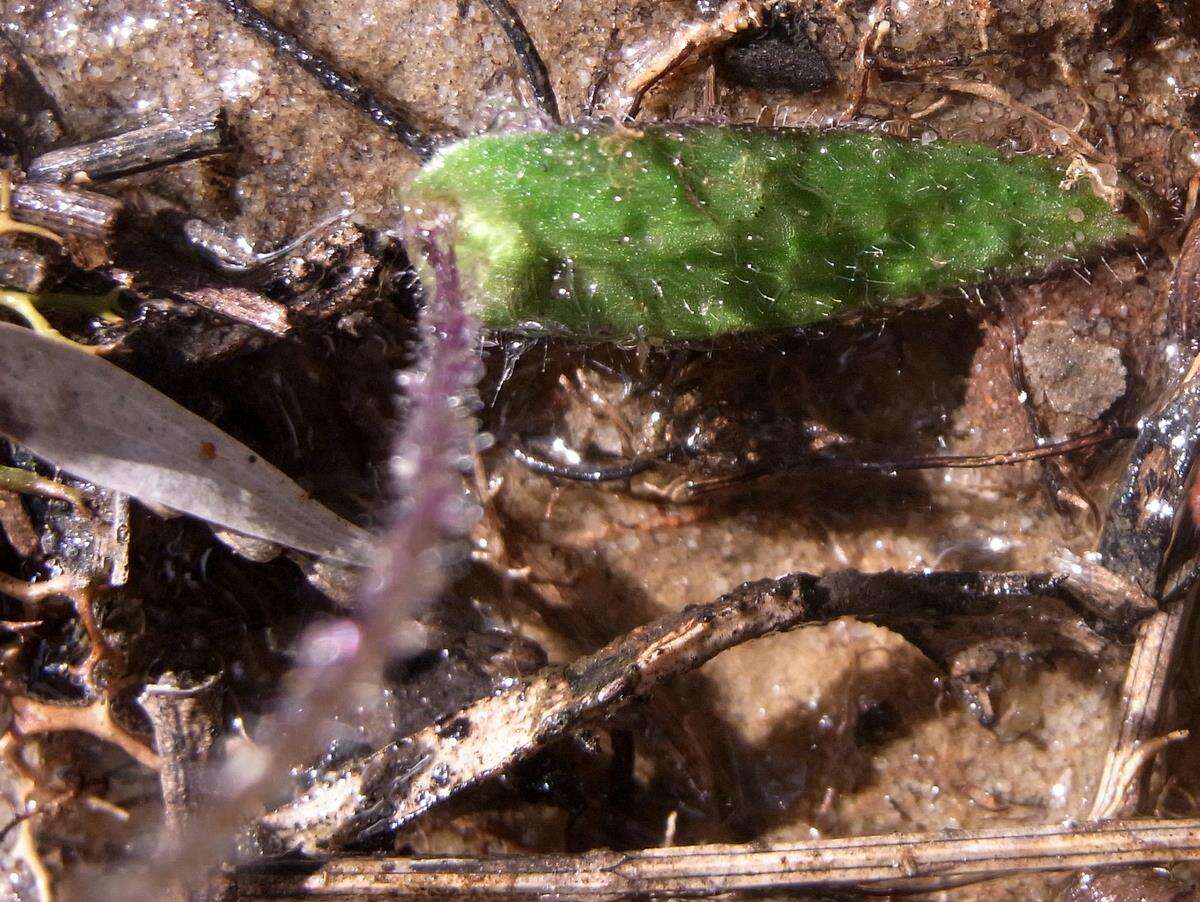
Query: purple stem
{"x": 433, "y": 449}
{"x": 429, "y": 458}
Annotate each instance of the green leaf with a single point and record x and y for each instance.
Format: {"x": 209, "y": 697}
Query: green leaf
{"x": 700, "y": 231}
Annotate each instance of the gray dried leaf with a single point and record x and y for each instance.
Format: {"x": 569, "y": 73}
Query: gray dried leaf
{"x": 96, "y": 421}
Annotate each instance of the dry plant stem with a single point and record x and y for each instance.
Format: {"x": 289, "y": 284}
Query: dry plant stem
{"x": 66, "y": 210}
{"x": 188, "y": 138}
{"x": 185, "y": 722}
{"x": 242, "y": 305}
{"x": 1184, "y": 308}
{"x": 15, "y": 524}
{"x": 438, "y": 434}
{"x": 877, "y": 863}
{"x": 1136, "y": 542}
{"x": 9, "y": 224}
{"x": 405, "y": 779}
{"x": 698, "y": 37}
{"x": 1003, "y": 98}
{"x": 18, "y": 479}
{"x": 31, "y": 715}
{"x": 25, "y": 268}
{"x": 1143, "y": 695}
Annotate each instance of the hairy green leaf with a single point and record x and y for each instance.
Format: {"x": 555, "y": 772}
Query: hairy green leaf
{"x": 700, "y": 231}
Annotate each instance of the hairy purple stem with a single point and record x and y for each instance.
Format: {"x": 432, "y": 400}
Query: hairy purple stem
{"x": 433, "y": 450}
{"x": 433, "y": 512}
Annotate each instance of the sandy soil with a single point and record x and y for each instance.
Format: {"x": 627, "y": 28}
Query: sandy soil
{"x": 826, "y": 731}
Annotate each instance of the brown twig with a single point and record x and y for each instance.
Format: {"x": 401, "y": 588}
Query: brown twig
{"x": 880, "y": 863}
{"x": 188, "y": 138}
{"x": 1137, "y": 540}
{"x": 695, "y": 38}
{"x": 185, "y": 720}
{"x": 32, "y": 715}
{"x": 403, "y": 780}
{"x": 1183, "y": 308}
{"x": 15, "y": 525}
{"x": 1000, "y": 96}
{"x": 66, "y": 210}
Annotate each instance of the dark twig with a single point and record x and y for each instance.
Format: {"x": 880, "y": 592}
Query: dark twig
{"x": 583, "y": 471}
{"x": 1137, "y": 542}
{"x": 344, "y": 86}
{"x": 529, "y": 58}
{"x": 140, "y": 150}
{"x": 24, "y": 267}
{"x": 911, "y": 862}
{"x": 1150, "y": 499}
{"x": 396, "y": 784}
{"x": 720, "y": 473}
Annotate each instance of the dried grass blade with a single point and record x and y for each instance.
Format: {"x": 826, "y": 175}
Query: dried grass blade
{"x": 98, "y": 422}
